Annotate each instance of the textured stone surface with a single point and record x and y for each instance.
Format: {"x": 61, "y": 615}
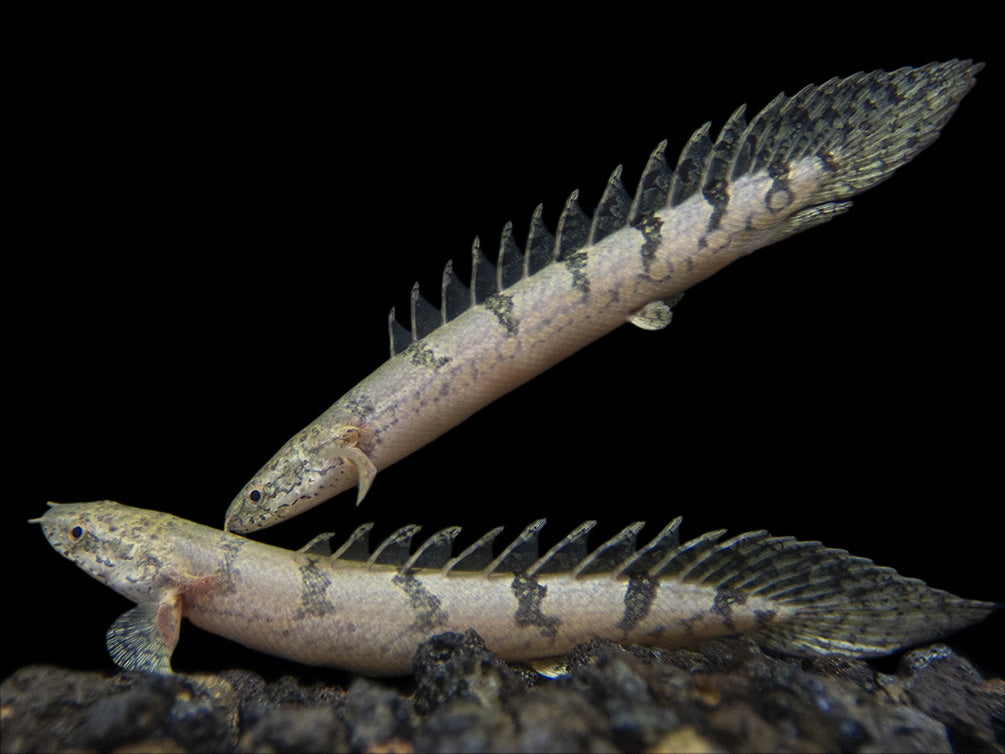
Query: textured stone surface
{"x": 729, "y": 697}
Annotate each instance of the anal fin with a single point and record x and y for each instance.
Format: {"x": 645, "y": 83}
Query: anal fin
{"x": 811, "y": 217}
{"x": 551, "y": 667}
{"x": 655, "y": 315}
{"x": 144, "y": 637}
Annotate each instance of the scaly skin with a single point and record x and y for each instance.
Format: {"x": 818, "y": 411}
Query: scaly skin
{"x": 791, "y": 168}
{"x": 796, "y": 597}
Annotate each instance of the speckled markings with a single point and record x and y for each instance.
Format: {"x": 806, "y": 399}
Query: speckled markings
{"x": 792, "y": 167}
{"x": 369, "y": 614}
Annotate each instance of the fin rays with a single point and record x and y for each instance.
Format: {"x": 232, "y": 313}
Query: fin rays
{"x": 617, "y": 557}
{"x": 862, "y": 128}
{"x": 815, "y": 599}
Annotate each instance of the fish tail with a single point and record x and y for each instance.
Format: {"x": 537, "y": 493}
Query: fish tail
{"x": 868, "y": 125}
{"x": 823, "y": 600}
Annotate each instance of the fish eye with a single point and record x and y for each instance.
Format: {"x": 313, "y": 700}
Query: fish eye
{"x": 255, "y": 495}
{"x": 76, "y": 533}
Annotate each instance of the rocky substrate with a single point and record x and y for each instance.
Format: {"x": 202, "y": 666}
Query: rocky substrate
{"x": 730, "y": 697}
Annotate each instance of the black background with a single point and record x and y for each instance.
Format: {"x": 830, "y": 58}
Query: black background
{"x": 215, "y": 217}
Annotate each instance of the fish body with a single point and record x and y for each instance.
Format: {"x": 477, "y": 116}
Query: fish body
{"x": 793, "y": 166}
{"x": 368, "y": 611}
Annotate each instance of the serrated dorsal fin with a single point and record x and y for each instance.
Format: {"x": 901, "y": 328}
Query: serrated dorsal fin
{"x": 519, "y": 554}
{"x": 714, "y": 179}
{"x": 476, "y": 556}
{"x": 509, "y": 267}
{"x": 606, "y": 558}
{"x": 654, "y": 185}
{"x": 396, "y": 548}
{"x": 565, "y": 555}
{"x": 678, "y": 560}
{"x": 540, "y": 244}
{"x": 573, "y": 228}
{"x": 483, "y": 274}
{"x": 425, "y": 316}
{"x": 642, "y": 560}
{"x": 753, "y": 548}
{"x": 434, "y": 552}
{"x": 749, "y": 143}
{"x": 691, "y": 166}
{"x": 400, "y": 337}
{"x": 860, "y": 128}
{"x": 320, "y": 545}
{"x": 612, "y": 210}
{"x": 454, "y": 295}
{"x": 357, "y": 547}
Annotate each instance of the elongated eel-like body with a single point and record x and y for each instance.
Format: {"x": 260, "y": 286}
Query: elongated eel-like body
{"x": 792, "y": 167}
{"x": 370, "y": 615}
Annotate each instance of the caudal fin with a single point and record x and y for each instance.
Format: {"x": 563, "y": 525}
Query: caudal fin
{"x": 828, "y": 600}
{"x": 865, "y": 126}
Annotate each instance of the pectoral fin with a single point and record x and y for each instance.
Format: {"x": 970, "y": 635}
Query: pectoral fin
{"x": 367, "y": 471}
{"x": 144, "y": 638}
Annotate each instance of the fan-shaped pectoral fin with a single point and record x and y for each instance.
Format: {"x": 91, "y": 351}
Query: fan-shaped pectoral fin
{"x": 144, "y": 637}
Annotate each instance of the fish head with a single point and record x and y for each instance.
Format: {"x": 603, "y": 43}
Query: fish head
{"x": 311, "y": 467}
{"x": 114, "y": 543}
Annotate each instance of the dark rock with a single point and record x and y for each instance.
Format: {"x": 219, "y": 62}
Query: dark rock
{"x": 557, "y": 719}
{"x": 624, "y": 687}
{"x": 377, "y": 715}
{"x": 55, "y": 709}
{"x": 462, "y": 724}
{"x": 285, "y": 716}
{"x": 458, "y": 666}
{"x": 728, "y": 696}
{"x": 946, "y": 687}
{"x": 291, "y": 729}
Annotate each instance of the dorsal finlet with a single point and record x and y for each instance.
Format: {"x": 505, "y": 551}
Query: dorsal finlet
{"x": 319, "y": 545}
{"x": 509, "y": 266}
{"x": 642, "y": 560}
{"x": 540, "y": 247}
{"x": 749, "y": 139}
{"x": 654, "y": 185}
{"x": 357, "y": 547}
{"x": 475, "y": 557}
{"x": 483, "y": 274}
{"x": 399, "y": 336}
{"x": 519, "y": 554}
{"x": 434, "y": 552}
{"x": 454, "y": 296}
{"x": 573, "y": 228}
{"x": 682, "y": 557}
{"x": 425, "y": 316}
{"x": 612, "y": 210}
{"x": 395, "y": 549}
{"x": 690, "y": 166}
{"x": 721, "y": 560}
{"x": 565, "y": 555}
{"x": 715, "y": 176}
{"x": 605, "y": 558}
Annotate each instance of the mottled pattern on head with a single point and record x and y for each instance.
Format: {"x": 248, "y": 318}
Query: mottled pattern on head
{"x": 113, "y": 543}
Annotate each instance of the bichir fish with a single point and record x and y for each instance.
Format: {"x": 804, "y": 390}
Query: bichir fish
{"x": 368, "y": 611}
{"x": 791, "y": 167}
